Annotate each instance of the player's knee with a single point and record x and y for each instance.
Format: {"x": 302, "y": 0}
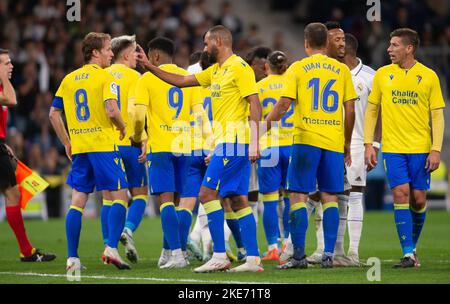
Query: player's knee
{"x": 401, "y": 194}
{"x": 206, "y": 195}
{"x": 238, "y": 205}
{"x": 419, "y": 200}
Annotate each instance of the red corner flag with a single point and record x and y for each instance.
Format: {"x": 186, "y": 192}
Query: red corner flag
{"x": 30, "y": 183}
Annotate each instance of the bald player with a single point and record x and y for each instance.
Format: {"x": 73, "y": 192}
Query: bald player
{"x": 233, "y": 88}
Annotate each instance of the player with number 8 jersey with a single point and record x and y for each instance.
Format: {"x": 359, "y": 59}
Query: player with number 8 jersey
{"x": 88, "y": 96}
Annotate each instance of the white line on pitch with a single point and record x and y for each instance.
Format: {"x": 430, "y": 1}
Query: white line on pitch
{"x": 34, "y": 274}
{"x": 438, "y": 261}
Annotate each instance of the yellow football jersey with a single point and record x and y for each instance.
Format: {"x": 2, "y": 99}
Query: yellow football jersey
{"x": 84, "y": 92}
{"x": 230, "y": 84}
{"x": 126, "y": 79}
{"x": 319, "y": 85}
{"x": 269, "y": 90}
{"x": 168, "y": 111}
{"x": 406, "y": 98}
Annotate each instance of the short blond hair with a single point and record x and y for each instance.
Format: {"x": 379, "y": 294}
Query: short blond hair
{"x": 93, "y": 41}
{"x": 121, "y": 43}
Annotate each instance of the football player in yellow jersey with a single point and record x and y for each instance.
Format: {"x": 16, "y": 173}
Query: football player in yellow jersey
{"x": 408, "y": 94}
{"x": 168, "y": 108}
{"x": 124, "y": 49}
{"x": 88, "y": 96}
{"x": 276, "y": 149}
{"x": 335, "y": 49}
{"x": 233, "y": 86}
{"x": 323, "y": 92}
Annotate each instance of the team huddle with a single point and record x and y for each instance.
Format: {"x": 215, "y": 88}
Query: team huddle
{"x": 302, "y": 135}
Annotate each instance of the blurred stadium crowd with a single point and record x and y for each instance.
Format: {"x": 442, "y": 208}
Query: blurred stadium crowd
{"x": 44, "y": 47}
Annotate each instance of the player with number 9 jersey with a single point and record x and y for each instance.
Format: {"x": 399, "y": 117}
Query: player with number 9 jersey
{"x": 168, "y": 128}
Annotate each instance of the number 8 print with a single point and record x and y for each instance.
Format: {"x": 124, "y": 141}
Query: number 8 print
{"x": 82, "y": 108}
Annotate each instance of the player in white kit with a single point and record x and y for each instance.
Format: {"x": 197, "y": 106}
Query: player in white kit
{"x": 362, "y": 77}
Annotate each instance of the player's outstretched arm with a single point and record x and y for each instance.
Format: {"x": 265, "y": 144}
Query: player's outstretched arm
{"x": 55, "y": 117}
{"x": 255, "y": 119}
{"x": 113, "y": 112}
{"x": 174, "y": 79}
{"x": 437, "y": 124}
{"x": 349, "y": 123}
{"x": 370, "y": 122}
{"x": 280, "y": 108}
{"x": 8, "y": 96}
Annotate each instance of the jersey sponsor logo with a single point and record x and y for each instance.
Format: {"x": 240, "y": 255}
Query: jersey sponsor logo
{"x": 391, "y": 76}
{"x": 405, "y": 97}
{"x": 315, "y": 121}
{"x": 74, "y": 131}
{"x": 175, "y": 129}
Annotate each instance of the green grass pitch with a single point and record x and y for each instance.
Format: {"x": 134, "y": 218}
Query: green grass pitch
{"x": 379, "y": 239}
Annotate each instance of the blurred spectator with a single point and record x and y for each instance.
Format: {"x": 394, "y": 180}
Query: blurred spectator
{"x": 229, "y": 19}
